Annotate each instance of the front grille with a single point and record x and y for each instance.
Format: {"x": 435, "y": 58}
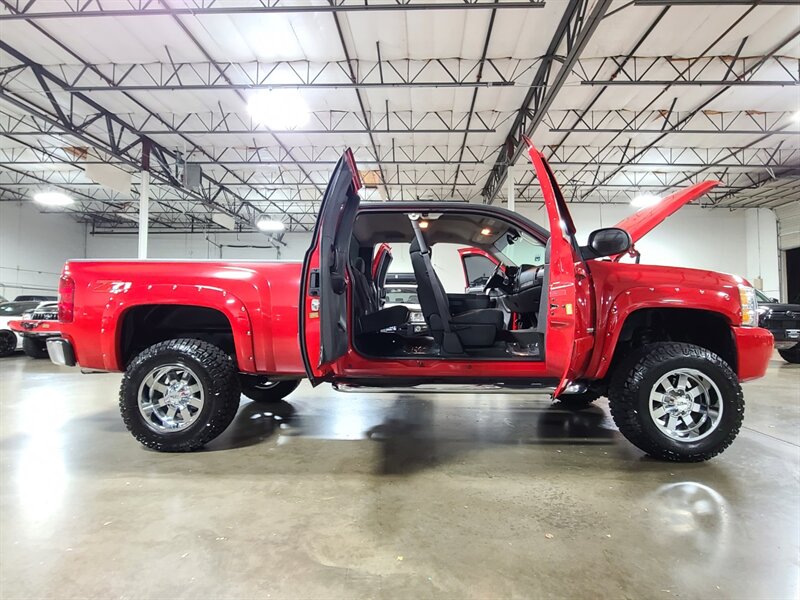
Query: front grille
{"x": 45, "y": 316}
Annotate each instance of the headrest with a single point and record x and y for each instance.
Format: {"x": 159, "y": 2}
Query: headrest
{"x": 359, "y": 264}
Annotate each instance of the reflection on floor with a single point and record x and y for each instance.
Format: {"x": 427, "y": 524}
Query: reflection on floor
{"x": 353, "y": 495}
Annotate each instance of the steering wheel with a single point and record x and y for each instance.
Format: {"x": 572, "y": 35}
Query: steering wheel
{"x": 496, "y": 274}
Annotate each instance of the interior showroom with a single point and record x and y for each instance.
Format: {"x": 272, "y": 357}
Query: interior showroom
{"x": 400, "y": 299}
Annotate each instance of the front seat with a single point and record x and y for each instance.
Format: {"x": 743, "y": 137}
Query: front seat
{"x": 471, "y": 329}
{"x": 370, "y": 317}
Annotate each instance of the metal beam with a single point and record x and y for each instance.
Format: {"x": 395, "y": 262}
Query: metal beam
{"x": 353, "y": 76}
{"x": 478, "y": 78}
{"x": 575, "y": 30}
{"x": 159, "y": 153}
{"x": 321, "y": 122}
{"x": 169, "y": 75}
{"x": 715, "y": 2}
{"x": 751, "y": 70}
{"x": 700, "y": 70}
{"x": 113, "y": 137}
{"x": 68, "y": 10}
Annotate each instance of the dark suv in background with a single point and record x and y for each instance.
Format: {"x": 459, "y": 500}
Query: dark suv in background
{"x": 783, "y": 321}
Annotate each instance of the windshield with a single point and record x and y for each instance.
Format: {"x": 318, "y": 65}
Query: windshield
{"x": 15, "y": 309}
{"x": 762, "y": 298}
{"x": 521, "y": 250}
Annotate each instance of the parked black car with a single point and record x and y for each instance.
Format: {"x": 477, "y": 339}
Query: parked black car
{"x": 783, "y": 320}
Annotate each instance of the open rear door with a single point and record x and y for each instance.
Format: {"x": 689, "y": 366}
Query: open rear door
{"x": 324, "y": 335}
{"x": 380, "y": 267}
{"x": 566, "y": 348}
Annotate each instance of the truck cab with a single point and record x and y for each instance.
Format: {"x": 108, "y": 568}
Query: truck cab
{"x": 574, "y": 320}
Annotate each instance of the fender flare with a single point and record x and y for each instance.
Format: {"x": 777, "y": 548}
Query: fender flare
{"x": 178, "y": 295}
{"x": 621, "y": 307}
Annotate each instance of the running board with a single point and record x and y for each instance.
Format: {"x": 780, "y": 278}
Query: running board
{"x": 447, "y": 388}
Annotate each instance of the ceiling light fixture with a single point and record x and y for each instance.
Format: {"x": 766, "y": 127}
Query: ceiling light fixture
{"x": 423, "y": 224}
{"x": 53, "y": 199}
{"x": 486, "y": 231}
{"x": 270, "y": 225}
{"x": 645, "y": 200}
{"x": 279, "y": 109}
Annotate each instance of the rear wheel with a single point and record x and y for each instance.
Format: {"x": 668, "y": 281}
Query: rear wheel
{"x": 178, "y": 395}
{"x": 677, "y": 402}
{"x": 791, "y": 355}
{"x": 8, "y": 343}
{"x": 267, "y": 391}
{"x": 34, "y": 347}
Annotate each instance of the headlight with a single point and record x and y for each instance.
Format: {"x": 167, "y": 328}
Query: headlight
{"x": 747, "y": 296}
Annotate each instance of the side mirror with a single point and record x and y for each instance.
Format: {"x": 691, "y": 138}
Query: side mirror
{"x": 609, "y": 241}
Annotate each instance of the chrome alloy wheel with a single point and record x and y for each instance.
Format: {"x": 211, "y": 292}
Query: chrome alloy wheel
{"x": 686, "y": 405}
{"x": 170, "y": 398}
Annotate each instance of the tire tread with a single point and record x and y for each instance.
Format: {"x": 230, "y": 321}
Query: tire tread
{"x": 222, "y": 372}
{"x": 625, "y": 384}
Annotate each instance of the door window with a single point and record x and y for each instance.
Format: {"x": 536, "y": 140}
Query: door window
{"x": 478, "y": 269}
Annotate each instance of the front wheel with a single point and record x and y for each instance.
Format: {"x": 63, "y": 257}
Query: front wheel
{"x": 178, "y": 395}
{"x": 577, "y": 401}
{"x": 791, "y": 355}
{"x": 677, "y": 402}
{"x": 34, "y": 347}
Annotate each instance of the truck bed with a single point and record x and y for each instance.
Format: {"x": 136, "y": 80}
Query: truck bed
{"x": 258, "y": 298}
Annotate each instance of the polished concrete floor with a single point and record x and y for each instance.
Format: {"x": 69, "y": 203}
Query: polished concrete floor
{"x": 388, "y": 496}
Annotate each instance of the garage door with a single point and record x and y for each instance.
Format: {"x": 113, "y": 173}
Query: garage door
{"x": 789, "y": 226}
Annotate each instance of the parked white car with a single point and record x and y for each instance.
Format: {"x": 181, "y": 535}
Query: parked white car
{"x": 10, "y": 342}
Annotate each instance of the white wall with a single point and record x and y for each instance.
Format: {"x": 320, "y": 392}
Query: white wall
{"x": 33, "y": 248}
{"x": 446, "y": 262}
{"x": 742, "y": 242}
{"x": 199, "y": 246}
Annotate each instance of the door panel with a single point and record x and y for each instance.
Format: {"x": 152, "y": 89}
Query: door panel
{"x": 565, "y": 350}
{"x": 324, "y": 335}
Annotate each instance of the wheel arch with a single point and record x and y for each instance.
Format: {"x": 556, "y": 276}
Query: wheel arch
{"x": 139, "y": 326}
{"x": 702, "y": 327}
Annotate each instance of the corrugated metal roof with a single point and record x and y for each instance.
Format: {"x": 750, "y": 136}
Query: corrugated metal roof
{"x": 183, "y": 80}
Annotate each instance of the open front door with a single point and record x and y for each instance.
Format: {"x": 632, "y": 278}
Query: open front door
{"x": 567, "y": 342}
{"x": 324, "y": 335}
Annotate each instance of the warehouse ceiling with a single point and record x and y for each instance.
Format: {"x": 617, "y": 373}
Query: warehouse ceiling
{"x": 625, "y": 98}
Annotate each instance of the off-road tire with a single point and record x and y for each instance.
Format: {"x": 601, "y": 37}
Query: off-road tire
{"x": 218, "y": 377}
{"x": 34, "y": 347}
{"x": 791, "y": 355}
{"x": 8, "y": 343}
{"x": 276, "y": 393}
{"x": 630, "y": 388}
{"x": 577, "y": 401}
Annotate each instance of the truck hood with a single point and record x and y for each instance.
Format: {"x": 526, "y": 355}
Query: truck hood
{"x": 645, "y": 220}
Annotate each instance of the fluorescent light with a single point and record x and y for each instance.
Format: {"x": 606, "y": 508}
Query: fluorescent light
{"x": 486, "y": 231}
{"x": 645, "y": 200}
{"x": 279, "y": 109}
{"x": 270, "y": 225}
{"x": 796, "y": 117}
{"x": 53, "y": 199}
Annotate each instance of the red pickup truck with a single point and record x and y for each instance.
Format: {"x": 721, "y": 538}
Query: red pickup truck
{"x": 667, "y": 346}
